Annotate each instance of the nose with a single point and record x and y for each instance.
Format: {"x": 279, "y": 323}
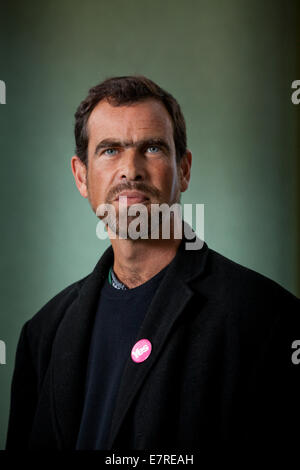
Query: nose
{"x": 132, "y": 166}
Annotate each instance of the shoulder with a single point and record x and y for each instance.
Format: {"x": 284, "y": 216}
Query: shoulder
{"x": 57, "y": 304}
{"x": 255, "y": 310}
{"x": 244, "y": 295}
{"x": 41, "y": 328}
{"x": 241, "y": 279}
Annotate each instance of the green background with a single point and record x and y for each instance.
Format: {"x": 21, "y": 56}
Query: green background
{"x": 230, "y": 64}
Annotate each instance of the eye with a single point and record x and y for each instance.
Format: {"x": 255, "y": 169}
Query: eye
{"x": 153, "y": 149}
{"x": 109, "y": 152}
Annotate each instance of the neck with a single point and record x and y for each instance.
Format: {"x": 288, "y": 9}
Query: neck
{"x": 137, "y": 261}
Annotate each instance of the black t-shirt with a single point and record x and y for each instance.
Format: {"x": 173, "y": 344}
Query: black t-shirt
{"x": 117, "y": 322}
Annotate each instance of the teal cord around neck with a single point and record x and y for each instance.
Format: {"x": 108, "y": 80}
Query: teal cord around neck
{"x": 114, "y": 281}
{"x": 109, "y": 275}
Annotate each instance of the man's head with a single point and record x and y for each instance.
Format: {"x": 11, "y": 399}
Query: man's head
{"x": 130, "y": 135}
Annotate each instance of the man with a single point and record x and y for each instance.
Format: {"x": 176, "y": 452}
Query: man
{"x": 160, "y": 347}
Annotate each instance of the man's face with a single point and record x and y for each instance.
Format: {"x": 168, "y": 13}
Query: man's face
{"x": 131, "y": 148}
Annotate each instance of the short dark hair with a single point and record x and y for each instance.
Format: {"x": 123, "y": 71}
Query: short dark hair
{"x": 125, "y": 90}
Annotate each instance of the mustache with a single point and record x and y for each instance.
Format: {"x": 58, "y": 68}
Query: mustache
{"x": 138, "y": 186}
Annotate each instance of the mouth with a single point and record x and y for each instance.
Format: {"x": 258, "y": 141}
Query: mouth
{"x": 133, "y": 197}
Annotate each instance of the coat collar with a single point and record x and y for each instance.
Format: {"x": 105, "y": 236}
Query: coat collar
{"x": 71, "y": 344}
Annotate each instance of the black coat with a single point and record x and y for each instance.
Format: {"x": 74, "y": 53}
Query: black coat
{"x": 220, "y": 371}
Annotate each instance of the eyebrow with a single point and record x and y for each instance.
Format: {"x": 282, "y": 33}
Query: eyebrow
{"x": 107, "y": 143}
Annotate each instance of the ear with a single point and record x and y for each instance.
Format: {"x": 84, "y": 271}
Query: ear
{"x": 79, "y": 171}
{"x": 185, "y": 170}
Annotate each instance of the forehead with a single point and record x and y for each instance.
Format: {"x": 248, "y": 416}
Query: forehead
{"x": 148, "y": 117}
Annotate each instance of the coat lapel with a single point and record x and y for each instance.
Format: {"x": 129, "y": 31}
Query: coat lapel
{"x": 70, "y": 355}
{"x": 167, "y": 305}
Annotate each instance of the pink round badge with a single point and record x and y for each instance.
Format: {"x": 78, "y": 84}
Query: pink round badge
{"x": 141, "y": 350}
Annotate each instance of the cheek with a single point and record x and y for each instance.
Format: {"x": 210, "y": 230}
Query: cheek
{"x": 96, "y": 183}
{"x": 168, "y": 176}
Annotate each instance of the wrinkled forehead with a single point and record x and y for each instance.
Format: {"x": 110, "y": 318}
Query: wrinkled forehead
{"x": 147, "y": 118}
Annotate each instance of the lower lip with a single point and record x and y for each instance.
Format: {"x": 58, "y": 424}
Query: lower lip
{"x": 134, "y": 200}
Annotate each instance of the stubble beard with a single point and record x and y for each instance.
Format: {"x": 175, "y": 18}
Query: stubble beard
{"x": 146, "y": 230}
{"x": 152, "y": 224}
